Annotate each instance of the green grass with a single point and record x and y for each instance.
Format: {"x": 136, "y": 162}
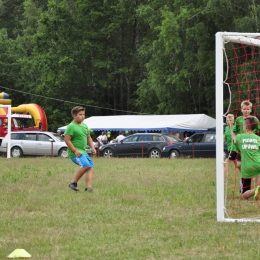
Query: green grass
{"x": 140, "y": 209}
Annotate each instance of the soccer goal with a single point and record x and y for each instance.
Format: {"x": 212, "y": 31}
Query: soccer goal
{"x": 7, "y": 108}
{"x": 237, "y": 79}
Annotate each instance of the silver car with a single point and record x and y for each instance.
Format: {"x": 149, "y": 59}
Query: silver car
{"x": 39, "y": 143}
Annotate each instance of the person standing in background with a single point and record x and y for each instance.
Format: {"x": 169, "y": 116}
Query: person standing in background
{"x": 120, "y": 137}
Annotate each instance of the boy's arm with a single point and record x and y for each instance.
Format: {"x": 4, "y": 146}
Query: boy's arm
{"x": 235, "y": 127}
{"x": 225, "y": 134}
{"x": 233, "y": 137}
{"x": 70, "y": 145}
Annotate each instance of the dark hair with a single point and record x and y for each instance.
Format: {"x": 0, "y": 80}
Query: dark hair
{"x": 76, "y": 110}
{"x": 251, "y": 122}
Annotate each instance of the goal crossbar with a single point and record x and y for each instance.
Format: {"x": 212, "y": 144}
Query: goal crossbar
{"x": 243, "y": 40}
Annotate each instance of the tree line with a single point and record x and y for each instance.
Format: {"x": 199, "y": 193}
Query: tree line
{"x": 116, "y": 57}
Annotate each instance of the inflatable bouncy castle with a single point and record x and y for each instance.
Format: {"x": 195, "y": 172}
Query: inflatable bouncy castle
{"x": 24, "y": 117}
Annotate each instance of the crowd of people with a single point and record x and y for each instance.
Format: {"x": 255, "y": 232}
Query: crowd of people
{"x": 103, "y": 138}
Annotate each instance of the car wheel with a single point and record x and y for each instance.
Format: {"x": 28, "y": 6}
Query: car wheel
{"x": 155, "y": 153}
{"x": 16, "y": 152}
{"x": 174, "y": 154}
{"x": 63, "y": 153}
{"x": 108, "y": 153}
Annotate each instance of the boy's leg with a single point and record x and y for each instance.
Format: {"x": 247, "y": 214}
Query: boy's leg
{"x": 74, "y": 183}
{"x": 79, "y": 173}
{"x": 245, "y": 188}
{"x": 89, "y": 177}
{"x": 86, "y": 165}
{"x": 238, "y": 161}
{"x": 257, "y": 180}
{"x": 248, "y": 194}
{"x": 226, "y": 170}
{"x": 257, "y": 188}
{"x": 232, "y": 157}
{"x": 89, "y": 174}
{"x": 254, "y": 192}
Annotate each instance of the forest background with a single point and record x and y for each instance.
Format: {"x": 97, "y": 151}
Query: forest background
{"x": 116, "y": 57}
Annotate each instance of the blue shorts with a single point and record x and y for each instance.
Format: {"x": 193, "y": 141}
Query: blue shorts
{"x": 83, "y": 161}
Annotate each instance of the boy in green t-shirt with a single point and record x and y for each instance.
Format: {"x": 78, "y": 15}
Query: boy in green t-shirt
{"x": 246, "y": 109}
{"x": 249, "y": 145}
{"x": 77, "y": 137}
{"x": 232, "y": 150}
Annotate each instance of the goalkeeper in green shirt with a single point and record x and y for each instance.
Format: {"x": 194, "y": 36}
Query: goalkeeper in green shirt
{"x": 249, "y": 145}
{"x": 246, "y": 109}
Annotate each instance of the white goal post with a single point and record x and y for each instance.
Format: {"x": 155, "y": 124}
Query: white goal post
{"x": 220, "y": 39}
{"x": 8, "y": 129}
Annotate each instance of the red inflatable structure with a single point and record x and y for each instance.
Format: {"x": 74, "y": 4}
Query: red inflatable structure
{"x": 24, "y": 117}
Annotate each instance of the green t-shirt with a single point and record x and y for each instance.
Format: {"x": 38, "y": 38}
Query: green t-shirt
{"x": 238, "y": 127}
{"x": 228, "y": 138}
{"x": 79, "y": 134}
{"x": 249, "y": 146}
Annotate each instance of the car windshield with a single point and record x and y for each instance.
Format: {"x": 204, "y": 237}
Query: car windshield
{"x": 210, "y": 138}
{"x": 196, "y": 138}
{"x": 130, "y": 139}
{"x": 23, "y": 122}
{"x": 173, "y": 138}
{"x": 58, "y": 137}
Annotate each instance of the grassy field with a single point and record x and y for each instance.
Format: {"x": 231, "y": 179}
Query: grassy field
{"x": 140, "y": 209}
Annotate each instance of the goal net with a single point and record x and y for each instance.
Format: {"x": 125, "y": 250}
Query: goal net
{"x": 237, "y": 79}
{"x": 6, "y": 109}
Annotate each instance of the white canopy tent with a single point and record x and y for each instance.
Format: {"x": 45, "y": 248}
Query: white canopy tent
{"x": 191, "y": 122}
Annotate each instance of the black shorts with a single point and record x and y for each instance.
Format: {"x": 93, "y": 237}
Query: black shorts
{"x": 232, "y": 156}
{"x": 238, "y": 157}
{"x": 245, "y": 185}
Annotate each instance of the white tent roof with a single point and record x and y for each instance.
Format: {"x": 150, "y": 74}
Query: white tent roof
{"x": 191, "y": 122}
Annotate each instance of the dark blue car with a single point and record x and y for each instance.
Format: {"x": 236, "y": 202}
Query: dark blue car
{"x": 199, "y": 145}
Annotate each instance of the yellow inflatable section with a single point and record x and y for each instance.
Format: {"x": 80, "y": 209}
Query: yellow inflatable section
{"x": 4, "y": 100}
{"x": 36, "y": 112}
{"x": 2, "y": 111}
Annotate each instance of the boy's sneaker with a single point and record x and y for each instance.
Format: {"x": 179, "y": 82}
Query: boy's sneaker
{"x": 73, "y": 186}
{"x": 89, "y": 189}
{"x": 257, "y": 193}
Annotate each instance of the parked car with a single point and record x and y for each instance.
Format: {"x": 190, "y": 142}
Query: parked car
{"x": 88, "y": 150}
{"x": 138, "y": 145}
{"x": 198, "y": 145}
{"x": 35, "y": 143}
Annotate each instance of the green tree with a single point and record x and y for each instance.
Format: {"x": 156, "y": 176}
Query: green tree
{"x": 11, "y": 15}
